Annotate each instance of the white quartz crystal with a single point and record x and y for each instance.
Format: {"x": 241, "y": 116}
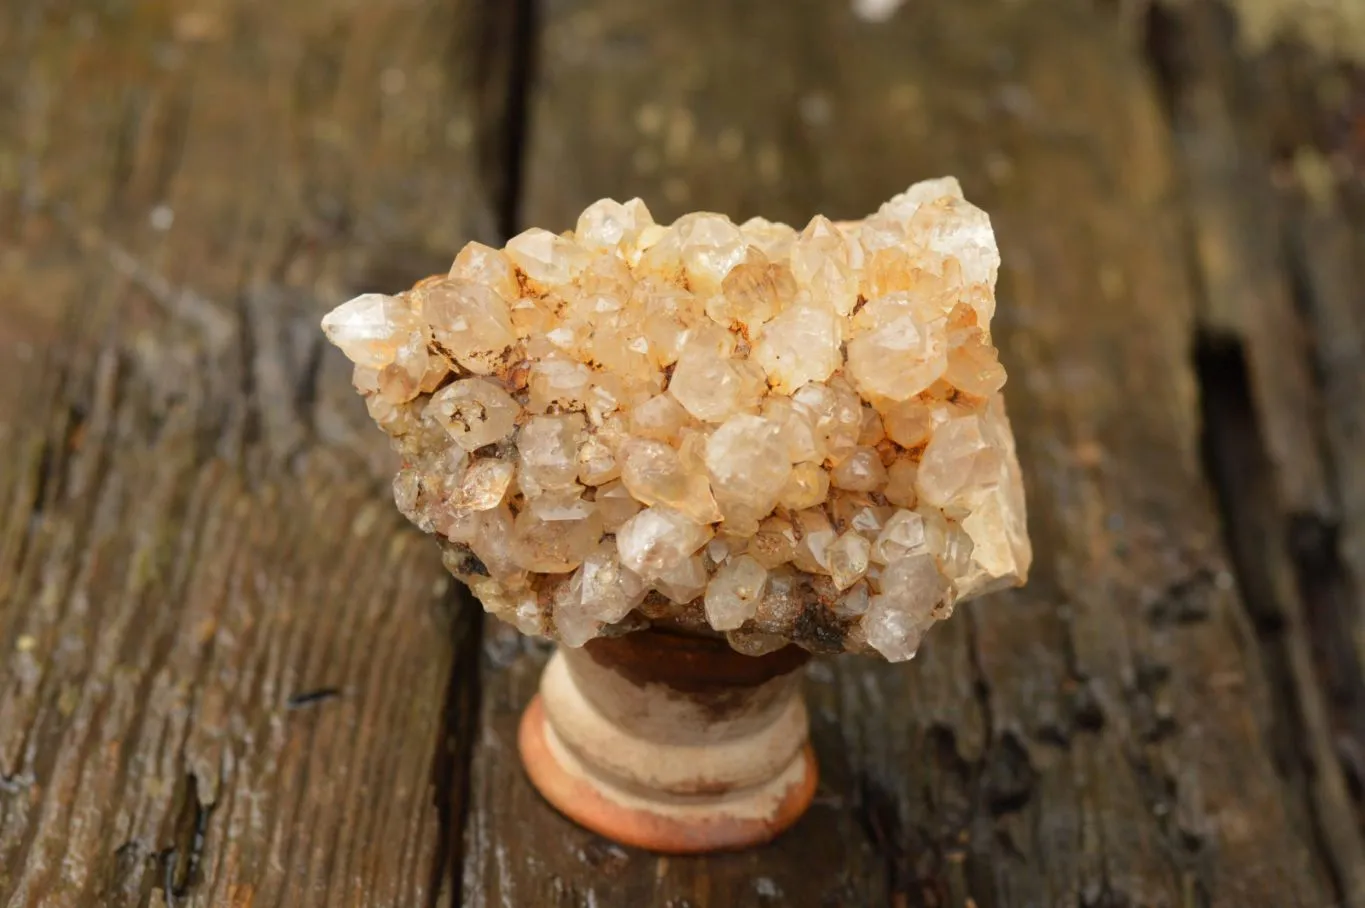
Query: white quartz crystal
{"x": 861, "y": 471}
{"x": 711, "y": 245}
{"x": 748, "y": 465}
{"x": 899, "y": 349}
{"x": 545, "y": 257}
{"x": 960, "y": 464}
{"x": 616, "y": 504}
{"x": 475, "y": 411}
{"x": 903, "y": 535}
{"x": 484, "y": 484}
{"x": 800, "y": 345}
{"x": 470, "y": 320}
{"x": 684, "y": 581}
{"x": 548, "y": 446}
{"x": 806, "y": 487}
{"x": 607, "y": 225}
{"x": 712, "y": 385}
{"x": 898, "y": 616}
{"x": 753, "y": 292}
{"x": 487, "y": 267}
{"x": 555, "y": 531}
{"x": 779, "y": 434}
{"x": 657, "y": 540}
{"x": 370, "y": 328}
{"x": 654, "y": 473}
{"x": 734, "y": 592}
{"x": 847, "y": 559}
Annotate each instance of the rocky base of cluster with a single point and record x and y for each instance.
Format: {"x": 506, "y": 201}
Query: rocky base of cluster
{"x": 781, "y": 436}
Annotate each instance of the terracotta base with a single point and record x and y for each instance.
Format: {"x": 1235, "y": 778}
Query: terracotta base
{"x": 670, "y": 743}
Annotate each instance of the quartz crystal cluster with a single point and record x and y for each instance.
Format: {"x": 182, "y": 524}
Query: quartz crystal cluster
{"x": 777, "y": 434}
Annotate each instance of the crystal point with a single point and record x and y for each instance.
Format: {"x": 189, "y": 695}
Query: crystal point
{"x": 370, "y": 328}
{"x": 734, "y": 592}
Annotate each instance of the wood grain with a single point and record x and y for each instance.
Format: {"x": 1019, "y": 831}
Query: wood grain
{"x": 228, "y": 675}
{"x": 261, "y": 662}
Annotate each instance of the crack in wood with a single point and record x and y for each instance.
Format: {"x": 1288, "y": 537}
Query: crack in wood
{"x": 1239, "y": 471}
{"x": 454, "y": 749}
{"x": 1234, "y": 118}
{"x": 520, "y": 85}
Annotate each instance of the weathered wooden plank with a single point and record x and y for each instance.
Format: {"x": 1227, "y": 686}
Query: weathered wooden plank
{"x": 1245, "y": 287}
{"x": 265, "y": 664}
{"x": 1250, "y": 127}
{"x": 1099, "y": 738}
{"x": 1304, "y": 742}
{"x": 1329, "y": 239}
{"x": 228, "y": 676}
{"x": 1316, "y": 106}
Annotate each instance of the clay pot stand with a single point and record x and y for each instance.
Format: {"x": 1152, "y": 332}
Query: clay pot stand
{"x": 672, "y": 742}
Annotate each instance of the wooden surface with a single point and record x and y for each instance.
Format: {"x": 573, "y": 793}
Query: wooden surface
{"x": 212, "y": 625}
{"x": 230, "y": 677}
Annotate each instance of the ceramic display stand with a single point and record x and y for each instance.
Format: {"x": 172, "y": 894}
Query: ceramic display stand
{"x": 672, "y": 742}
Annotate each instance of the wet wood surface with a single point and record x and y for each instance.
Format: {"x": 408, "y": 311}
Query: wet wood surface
{"x": 229, "y": 676}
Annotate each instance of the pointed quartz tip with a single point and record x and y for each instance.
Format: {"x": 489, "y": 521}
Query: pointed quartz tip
{"x": 779, "y": 434}
{"x": 370, "y": 328}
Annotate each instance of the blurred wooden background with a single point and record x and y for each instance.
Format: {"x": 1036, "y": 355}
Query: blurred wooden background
{"x": 230, "y": 676}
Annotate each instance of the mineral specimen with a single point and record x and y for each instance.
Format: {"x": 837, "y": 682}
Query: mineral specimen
{"x": 781, "y": 436}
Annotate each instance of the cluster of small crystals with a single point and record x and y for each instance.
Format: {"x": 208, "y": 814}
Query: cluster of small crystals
{"x": 782, "y": 435}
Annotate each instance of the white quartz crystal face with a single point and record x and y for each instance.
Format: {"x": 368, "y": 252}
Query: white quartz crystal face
{"x": 900, "y": 348}
{"x": 783, "y": 435}
{"x": 469, "y": 321}
{"x": 476, "y": 412}
{"x": 713, "y": 385}
{"x": 654, "y": 473}
{"x": 607, "y": 225}
{"x": 483, "y": 485}
{"x": 657, "y": 540}
{"x": 733, "y": 594}
{"x": 748, "y": 465}
{"x": 371, "y": 328}
{"x": 548, "y": 446}
{"x": 912, "y": 590}
{"x": 801, "y": 345}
